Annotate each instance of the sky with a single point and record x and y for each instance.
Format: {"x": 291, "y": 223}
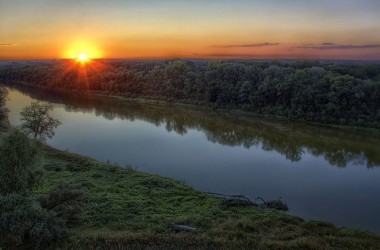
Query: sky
{"x": 274, "y": 29}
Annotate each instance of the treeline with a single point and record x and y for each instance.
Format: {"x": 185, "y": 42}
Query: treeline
{"x": 289, "y": 139}
{"x": 345, "y": 94}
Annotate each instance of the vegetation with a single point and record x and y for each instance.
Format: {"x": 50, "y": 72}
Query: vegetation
{"x": 22, "y": 219}
{"x": 26, "y": 218}
{"x": 3, "y": 111}
{"x": 3, "y": 93}
{"x": 97, "y": 205}
{"x": 19, "y": 165}
{"x": 331, "y": 93}
{"x": 24, "y": 222}
{"x": 128, "y": 208}
{"x": 290, "y": 139}
{"x": 37, "y": 121}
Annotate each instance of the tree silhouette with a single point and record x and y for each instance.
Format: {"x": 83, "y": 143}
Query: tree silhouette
{"x": 38, "y": 122}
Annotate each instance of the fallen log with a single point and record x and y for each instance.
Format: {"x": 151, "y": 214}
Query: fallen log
{"x": 274, "y": 204}
{"x": 183, "y": 228}
{"x": 242, "y": 200}
{"x": 233, "y": 198}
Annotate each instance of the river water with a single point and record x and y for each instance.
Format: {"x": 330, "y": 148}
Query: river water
{"x": 321, "y": 173}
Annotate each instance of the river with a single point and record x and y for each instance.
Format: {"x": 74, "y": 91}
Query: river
{"x": 320, "y": 172}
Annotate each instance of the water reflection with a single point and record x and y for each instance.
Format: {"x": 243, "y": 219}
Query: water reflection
{"x": 292, "y": 140}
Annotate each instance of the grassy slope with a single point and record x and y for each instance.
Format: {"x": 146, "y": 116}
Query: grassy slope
{"x": 127, "y": 207}
{"x": 130, "y": 209}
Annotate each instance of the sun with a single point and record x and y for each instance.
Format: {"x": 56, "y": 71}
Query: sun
{"x": 81, "y": 57}
{"x": 82, "y": 51}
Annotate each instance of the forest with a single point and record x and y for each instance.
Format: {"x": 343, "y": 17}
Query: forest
{"x": 312, "y": 91}
{"x": 229, "y": 128}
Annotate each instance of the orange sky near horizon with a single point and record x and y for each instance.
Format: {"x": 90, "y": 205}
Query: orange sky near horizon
{"x": 293, "y": 29}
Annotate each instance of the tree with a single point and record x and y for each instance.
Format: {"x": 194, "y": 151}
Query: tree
{"x": 19, "y": 165}
{"x": 37, "y": 120}
{"x": 3, "y": 93}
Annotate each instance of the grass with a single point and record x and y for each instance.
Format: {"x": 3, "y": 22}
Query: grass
{"x": 130, "y": 209}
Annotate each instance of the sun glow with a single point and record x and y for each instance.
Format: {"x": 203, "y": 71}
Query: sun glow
{"x": 81, "y": 57}
{"x": 82, "y": 51}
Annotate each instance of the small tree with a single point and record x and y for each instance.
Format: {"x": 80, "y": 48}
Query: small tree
{"x": 37, "y": 120}
{"x": 19, "y": 162}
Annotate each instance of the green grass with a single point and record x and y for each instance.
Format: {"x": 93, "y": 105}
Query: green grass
{"x": 127, "y": 208}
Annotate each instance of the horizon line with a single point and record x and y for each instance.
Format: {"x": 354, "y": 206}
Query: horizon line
{"x": 194, "y": 58}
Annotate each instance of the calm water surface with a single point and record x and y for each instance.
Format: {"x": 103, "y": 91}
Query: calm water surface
{"x": 321, "y": 173}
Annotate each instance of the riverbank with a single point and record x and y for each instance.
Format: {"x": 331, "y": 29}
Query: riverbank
{"x": 126, "y": 208}
{"x": 161, "y": 102}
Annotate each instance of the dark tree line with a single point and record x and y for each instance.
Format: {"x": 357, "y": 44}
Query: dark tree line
{"x": 345, "y": 94}
{"x": 338, "y": 147}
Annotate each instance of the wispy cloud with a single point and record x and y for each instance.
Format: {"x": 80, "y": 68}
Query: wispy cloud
{"x": 327, "y": 44}
{"x": 225, "y": 55}
{"x": 8, "y": 44}
{"x": 251, "y": 45}
{"x": 238, "y": 56}
{"x": 334, "y": 46}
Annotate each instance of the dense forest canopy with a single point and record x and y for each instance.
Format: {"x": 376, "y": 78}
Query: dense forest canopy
{"x": 324, "y": 92}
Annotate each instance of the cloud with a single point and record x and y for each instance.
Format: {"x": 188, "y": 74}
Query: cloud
{"x": 252, "y": 45}
{"x": 8, "y": 44}
{"x": 327, "y": 44}
{"x": 333, "y": 46}
{"x": 225, "y": 55}
{"x": 239, "y": 56}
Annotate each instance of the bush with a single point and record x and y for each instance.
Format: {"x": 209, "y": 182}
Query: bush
{"x": 23, "y": 221}
{"x": 3, "y": 93}
{"x": 19, "y": 165}
{"x": 66, "y": 203}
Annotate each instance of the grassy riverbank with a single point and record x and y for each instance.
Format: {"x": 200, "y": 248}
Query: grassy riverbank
{"x": 129, "y": 208}
{"x": 126, "y": 208}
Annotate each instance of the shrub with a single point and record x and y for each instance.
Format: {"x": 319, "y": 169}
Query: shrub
{"x": 66, "y": 203}
{"x": 23, "y": 221}
{"x": 19, "y": 165}
{"x": 3, "y": 93}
